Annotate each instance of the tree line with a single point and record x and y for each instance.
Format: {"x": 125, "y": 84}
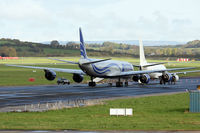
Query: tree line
{"x": 15, "y": 47}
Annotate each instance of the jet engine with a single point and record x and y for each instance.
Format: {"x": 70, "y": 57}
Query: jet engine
{"x": 136, "y": 78}
{"x": 167, "y": 77}
{"x": 175, "y": 78}
{"x": 78, "y": 78}
{"x": 50, "y": 75}
{"x": 145, "y": 78}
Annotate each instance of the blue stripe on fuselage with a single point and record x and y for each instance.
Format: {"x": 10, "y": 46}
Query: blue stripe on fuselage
{"x": 104, "y": 69}
{"x": 98, "y": 70}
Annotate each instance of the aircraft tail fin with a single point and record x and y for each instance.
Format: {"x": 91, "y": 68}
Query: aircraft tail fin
{"x": 82, "y": 45}
{"x": 143, "y": 61}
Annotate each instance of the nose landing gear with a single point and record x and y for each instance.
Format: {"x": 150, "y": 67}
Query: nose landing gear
{"x": 92, "y": 83}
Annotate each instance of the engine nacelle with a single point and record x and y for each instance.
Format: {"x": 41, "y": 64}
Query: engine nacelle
{"x": 145, "y": 78}
{"x": 136, "y": 78}
{"x": 78, "y": 78}
{"x": 50, "y": 75}
{"x": 167, "y": 77}
{"x": 175, "y": 78}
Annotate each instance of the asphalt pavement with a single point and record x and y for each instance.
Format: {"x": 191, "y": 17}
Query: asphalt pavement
{"x": 26, "y": 95}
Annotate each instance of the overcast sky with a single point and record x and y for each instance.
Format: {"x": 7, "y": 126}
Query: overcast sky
{"x": 46, "y": 20}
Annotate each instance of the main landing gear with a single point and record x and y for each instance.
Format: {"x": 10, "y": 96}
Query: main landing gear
{"x": 120, "y": 84}
{"x": 162, "y": 80}
{"x": 126, "y": 83}
{"x": 92, "y": 83}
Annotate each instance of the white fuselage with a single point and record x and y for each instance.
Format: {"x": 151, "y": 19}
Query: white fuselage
{"x": 156, "y": 67}
{"x": 105, "y": 68}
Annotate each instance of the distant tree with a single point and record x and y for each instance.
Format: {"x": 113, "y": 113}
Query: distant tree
{"x": 192, "y": 44}
{"x": 158, "y": 52}
{"x": 16, "y": 41}
{"x": 8, "y": 51}
{"x": 72, "y": 45}
{"x": 54, "y": 43}
{"x": 12, "y": 52}
{"x": 174, "y": 51}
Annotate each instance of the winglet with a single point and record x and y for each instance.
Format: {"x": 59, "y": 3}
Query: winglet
{"x": 82, "y": 45}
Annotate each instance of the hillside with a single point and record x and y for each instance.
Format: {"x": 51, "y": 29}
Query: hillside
{"x": 129, "y": 42}
{"x": 28, "y": 49}
{"x": 192, "y": 44}
{"x": 14, "y": 47}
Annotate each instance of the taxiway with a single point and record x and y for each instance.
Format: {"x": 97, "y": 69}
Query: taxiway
{"x": 24, "y": 95}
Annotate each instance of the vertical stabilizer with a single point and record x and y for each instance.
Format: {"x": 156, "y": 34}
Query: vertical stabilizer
{"x": 142, "y": 56}
{"x": 82, "y": 45}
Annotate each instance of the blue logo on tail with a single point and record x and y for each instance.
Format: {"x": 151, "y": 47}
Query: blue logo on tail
{"x": 82, "y": 45}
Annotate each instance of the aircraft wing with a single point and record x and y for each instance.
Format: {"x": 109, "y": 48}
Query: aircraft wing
{"x": 87, "y": 63}
{"x": 73, "y": 71}
{"x": 152, "y": 64}
{"x": 147, "y": 71}
{"x": 188, "y": 72}
{"x": 175, "y": 69}
{"x": 71, "y": 62}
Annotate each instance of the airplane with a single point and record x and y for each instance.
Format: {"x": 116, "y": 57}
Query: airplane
{"x": 98, "y": 69}
{"x": 164, "y": 76}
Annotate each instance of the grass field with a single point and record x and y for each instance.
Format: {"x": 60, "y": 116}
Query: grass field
{"x": 11, "y": 76}
{"x": 169, "y": 112}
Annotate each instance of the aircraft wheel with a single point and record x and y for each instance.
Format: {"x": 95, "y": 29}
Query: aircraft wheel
{"x": 110, "y": 84}
{"x": 161, "y": 81}
{"x": 119, "y": 84}
{"x": 92, "y": 84}
{"x": 126, "y": 83}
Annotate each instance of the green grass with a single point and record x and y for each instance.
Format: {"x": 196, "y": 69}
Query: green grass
{"x": 71, "y": 52}
{"x": 35, "y": 60}
{"x": 5, "y": 42}
{"x": 46, "y": 51}
{"x": 168, "y": 112}
{"x": 15, "y": 76}
{"x": 11, "y": 76}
